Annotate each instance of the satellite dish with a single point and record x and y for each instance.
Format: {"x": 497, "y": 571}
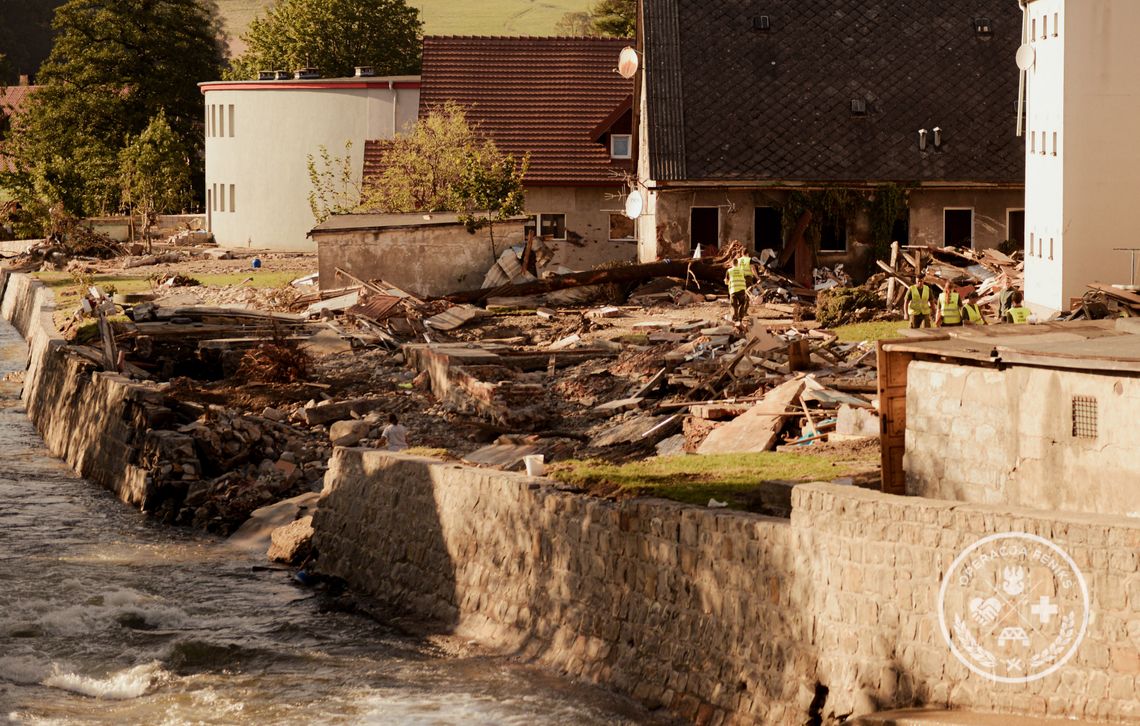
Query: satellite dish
{"x": 1026, "y": 55}
{"x": 634, "y": 205}
{"x": 628, "y": 62}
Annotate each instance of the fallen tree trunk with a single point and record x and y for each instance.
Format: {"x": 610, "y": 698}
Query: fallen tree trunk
{"x": 707, "y": 270}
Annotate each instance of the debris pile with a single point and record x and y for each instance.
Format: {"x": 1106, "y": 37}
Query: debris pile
{"x": 988, "y": 272}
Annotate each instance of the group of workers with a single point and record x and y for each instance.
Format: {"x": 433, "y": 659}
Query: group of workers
{"x": 950, "y": 310}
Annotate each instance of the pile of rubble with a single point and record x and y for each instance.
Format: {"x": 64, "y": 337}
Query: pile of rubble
{"x": 988, "y": 272}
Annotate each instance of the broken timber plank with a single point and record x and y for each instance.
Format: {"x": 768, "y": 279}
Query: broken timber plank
{"x": 758, "y": 428}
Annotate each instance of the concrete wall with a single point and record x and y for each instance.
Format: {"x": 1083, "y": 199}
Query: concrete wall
{"x": 713, "y": 614}
{"x": 587, "y": 211}
{"x": 1082, "y": 87}
{"x": 263, "y": 153}
{"x": 991, "y": 208}
{"x": 973, "y": 434}
{"x": 426, "y": 261}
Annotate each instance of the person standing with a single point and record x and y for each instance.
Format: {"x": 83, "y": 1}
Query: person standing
{"x": 1017, "y": 313}
{"x": 394, "y": 435}
{"x": 971, "y": 313}
{"x": 949, "y": 312}
{"x": 737, "y": 281}
{"x": 918, "y": 303}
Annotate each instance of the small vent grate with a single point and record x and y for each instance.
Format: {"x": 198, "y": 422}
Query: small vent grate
{"x": 982, "y": 26}
{"x": 761, "y": 22}
{"x": 858, "y": 107}
{"x": 1084, "y": 417}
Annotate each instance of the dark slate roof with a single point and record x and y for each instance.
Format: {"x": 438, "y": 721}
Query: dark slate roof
{"x": 727, "y": 102}
{"x": 545, "y": 96}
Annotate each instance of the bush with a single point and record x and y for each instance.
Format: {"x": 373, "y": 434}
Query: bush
{"x": 845, "y": 305}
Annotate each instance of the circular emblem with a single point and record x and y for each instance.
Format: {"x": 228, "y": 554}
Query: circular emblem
{"x": 1013, "y": 607}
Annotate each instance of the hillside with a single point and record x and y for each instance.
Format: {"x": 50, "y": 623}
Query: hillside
{"x": 444, "y": 17}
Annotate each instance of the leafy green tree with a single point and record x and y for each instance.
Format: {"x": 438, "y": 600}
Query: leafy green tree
{"x": 490, "y": 189}
{"x": 334, "y": 36}
{"x": 332, "y": 184}
{"x": 422, "y": 167}
{"x": 115, "y": 65}
{"x": 615, "y": 18}
{"x": 154, "y": 173}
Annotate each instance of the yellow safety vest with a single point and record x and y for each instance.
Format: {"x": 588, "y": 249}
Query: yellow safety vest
{"x": 973, "y": 314}
{"x": 737, "y": 281}
{"x": 1020, "y": 315}
{"x": 919, "y": 300}
{"x": 951, "y": 315}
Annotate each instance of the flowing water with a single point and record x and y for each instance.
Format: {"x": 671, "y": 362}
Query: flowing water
{"x": 106, "y": 617}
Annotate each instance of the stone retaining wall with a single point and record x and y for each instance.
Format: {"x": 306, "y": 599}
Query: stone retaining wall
{"x": 717, "y": 615}
{"x": 86, "y": 418}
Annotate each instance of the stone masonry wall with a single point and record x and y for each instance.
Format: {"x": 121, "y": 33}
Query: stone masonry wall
{"x": 717, "y": 616}
{"x": 86, "y": 418}
{"x": 974, "y": 435}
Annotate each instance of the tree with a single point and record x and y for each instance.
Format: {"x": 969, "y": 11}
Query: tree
{"x": 490, "y": 189}
{"x": 422, "y": 168}
{"x": 332, "y": 188}
{"x": 334, "y": 36}
{"x": 154, "y": 173}
{"x": 575, "y": 25}
{"x": 615, "y": 18}
{"x": 115, "y": 65}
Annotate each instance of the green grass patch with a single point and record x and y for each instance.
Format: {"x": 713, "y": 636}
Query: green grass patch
{"x": 881, "y": 330}
{"x": 695, "y": 479}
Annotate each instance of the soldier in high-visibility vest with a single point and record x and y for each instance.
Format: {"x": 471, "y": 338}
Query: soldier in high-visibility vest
{"x": 917, "y": 304}
{"x": 949, "y": 311}
{"x": 737, "y": 280}
{"x": 1017, "y": 313}
{"x": 971, "y": 313}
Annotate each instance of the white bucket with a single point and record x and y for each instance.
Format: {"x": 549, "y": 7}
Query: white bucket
{"x": 535, "y": 465}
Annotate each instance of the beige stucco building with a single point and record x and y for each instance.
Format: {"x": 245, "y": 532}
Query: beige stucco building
{"x": 1081, "y": 157}
{"x": 259, "y": 135}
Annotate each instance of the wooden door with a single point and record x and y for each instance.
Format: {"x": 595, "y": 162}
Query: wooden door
{"x": 892, "y": 417}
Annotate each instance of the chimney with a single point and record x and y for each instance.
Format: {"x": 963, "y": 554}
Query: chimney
{"x": 282, "y": 75}
{"x": 24, "y": 80}
{"x": 365, "y": 72}
{"x": 922, "y": 133}
{"x": 266, "y": 75}
{"x": 307, "y": 73}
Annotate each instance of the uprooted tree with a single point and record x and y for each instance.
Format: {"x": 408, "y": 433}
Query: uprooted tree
{"x": 444, "y": 165}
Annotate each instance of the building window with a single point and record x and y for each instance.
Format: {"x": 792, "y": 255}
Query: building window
{"x": 1033, "y": 34}
{"x": 221, "y": 120}
{"x": 1029, "y": 250}
{"x": 212, "y": 123}
{"x": 551, "y": 226}
{"x": 1015, "y": 226}
{"x": 1084, "y": 417}
{"x": 621, "y": 227}
{"x": 222, "y": 198}
{"x": 233, "y": 204}
{"x": 1054, "y": 143}
{"x": 1056, "y": 24}
{"x": 231, "y": 121}
{"x": 769, "y": 229}
{"x": 1050, "y": 248}
{"x": 958, "y": 227}
{"x": 1044, "y": 27}
{"x": 833, "y": 234}
{"x": 1032, "y": 142}
{"x": 621, "y": 146}
{"x": 704, "y": 227}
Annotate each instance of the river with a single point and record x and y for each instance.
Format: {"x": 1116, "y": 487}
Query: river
{"x": 106, "y": 617}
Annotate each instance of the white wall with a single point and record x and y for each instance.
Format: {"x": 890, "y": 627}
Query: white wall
{"x": 263, "y": 156}
{"x": 1084, "y": 87}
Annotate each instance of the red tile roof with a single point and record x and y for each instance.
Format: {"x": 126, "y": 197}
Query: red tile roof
{"x": 13, "y": 99}
{"x": 545, "y": 96}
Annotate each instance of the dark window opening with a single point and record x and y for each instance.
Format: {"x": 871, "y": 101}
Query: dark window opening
{"x": 1015, "y": 226}
{"x": 833, "y": 234}
{"x": 704, "y": 227}
{"x": 958, "y": 228}
{"x": 769, "y": 229}
{"x": 900, "y": 230}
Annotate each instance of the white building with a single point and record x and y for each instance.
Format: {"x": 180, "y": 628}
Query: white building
{"x": 259, "y": 135}
{"x": 1082, "y": 173}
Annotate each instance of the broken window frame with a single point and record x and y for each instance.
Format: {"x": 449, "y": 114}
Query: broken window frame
{"x": 626, "y": 221}
{"x": 541, "y": 225}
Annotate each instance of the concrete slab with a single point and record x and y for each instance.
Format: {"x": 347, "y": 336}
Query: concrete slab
{"x": 456, "y": 317}
{"x": 507, "y": 456}
{"x": 255, "y": 534}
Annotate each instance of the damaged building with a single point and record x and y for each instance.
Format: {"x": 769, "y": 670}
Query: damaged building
{"x": 854, "y": 110}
